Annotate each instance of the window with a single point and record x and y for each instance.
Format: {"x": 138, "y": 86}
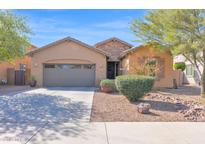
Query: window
{"x": 190, "y": 70}
{"x": 69, "y": 66}
{"x": 151, "y": 62}
{"x": 75, "y": 66}
{"x": 88, "y": 66}
{"x": 62, "y": 66}
{"x": 49, "y": 66}
{"x": 150, "y": 67}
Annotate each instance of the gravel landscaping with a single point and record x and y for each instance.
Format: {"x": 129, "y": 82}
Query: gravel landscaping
{"x": 167, "y": 105}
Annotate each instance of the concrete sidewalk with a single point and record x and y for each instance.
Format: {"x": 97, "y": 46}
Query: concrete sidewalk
{"x": 156, "y": 133}
{"x": 122, "y": 133}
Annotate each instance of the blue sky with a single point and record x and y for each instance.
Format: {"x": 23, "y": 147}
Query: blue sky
{"x": 89, "y": 26}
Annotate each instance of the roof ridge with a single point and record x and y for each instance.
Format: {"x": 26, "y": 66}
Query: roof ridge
{"x": 113, "y": 38}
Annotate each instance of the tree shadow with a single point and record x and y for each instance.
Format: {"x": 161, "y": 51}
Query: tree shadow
{"x": 23, "y": 114}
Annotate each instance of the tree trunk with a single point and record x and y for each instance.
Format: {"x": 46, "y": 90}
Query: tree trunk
{"x": 203, "y": 77}
{"x": 196, "y": 64}
{"x": 197, "y": 68}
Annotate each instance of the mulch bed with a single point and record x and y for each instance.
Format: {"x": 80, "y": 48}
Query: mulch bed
{"x": 164, "y": 108}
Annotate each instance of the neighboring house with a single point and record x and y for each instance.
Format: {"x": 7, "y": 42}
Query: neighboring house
{"x": 23, "y": 63}
{"x": 70, "y": 62}
{"x": 190, "y": 75}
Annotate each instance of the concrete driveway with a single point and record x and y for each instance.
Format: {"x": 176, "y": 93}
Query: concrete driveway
{"x": 23, "y": 114}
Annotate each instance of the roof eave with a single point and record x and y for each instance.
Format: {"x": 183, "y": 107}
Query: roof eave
{"x": 126, "y": 52}
{"x": 67, "y": 39}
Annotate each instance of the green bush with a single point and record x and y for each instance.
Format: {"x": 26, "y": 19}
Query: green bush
{"x": 179, "y": 66}
{"x": 32, "y": 78}
{"x": 134, "y": 86}
{"x": 108, "y": 83}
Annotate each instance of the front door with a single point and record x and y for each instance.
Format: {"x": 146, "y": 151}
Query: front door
{"x": 112, "y": 70}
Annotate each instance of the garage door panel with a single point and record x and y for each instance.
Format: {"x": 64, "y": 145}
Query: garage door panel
{"x": 69, "y": 76}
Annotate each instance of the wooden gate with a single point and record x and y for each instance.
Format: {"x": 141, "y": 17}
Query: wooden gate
{"x": 11, "y": 76}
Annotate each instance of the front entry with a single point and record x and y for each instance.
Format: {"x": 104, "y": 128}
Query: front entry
{"x": 112, "y": 70}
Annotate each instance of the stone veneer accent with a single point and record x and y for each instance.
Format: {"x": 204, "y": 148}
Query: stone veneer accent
{"x": 114, "y": 48}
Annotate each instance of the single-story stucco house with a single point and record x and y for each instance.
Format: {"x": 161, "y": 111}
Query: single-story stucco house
{"x": 70, "y": 62}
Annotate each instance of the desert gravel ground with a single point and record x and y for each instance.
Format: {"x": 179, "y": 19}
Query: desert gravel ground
{"x": 116, "y": 107}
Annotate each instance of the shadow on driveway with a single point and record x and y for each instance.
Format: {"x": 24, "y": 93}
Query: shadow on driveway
{"x": 21, "y": 112}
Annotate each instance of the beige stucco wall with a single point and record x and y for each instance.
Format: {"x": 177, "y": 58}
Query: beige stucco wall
{"x": 131, "y": 59}
{"x": 68, "y": 52}
{"x": 178, "y": 75}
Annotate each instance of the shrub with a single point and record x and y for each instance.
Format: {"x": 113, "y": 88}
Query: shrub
{"x": 32, "y": 78}
{"x": 108, "y": 83}
{"x": 134, "y": 86}
{"x": 33, "y": 81}
{"x": 179, "y": 66}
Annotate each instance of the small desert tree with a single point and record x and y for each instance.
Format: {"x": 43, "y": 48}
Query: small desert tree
{"x": 14, "y": 34}
{"x": 180, "y": 31}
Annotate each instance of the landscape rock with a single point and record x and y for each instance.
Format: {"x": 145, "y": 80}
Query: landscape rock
{"x": 143, "y": 108}
{"x": 191, "y": 110}
{"x": 196, "y": 107}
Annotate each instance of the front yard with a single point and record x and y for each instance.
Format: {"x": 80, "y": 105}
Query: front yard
{"x": 167, "y": 105}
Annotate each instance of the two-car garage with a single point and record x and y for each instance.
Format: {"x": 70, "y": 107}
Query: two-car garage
{"x": 68, "y": 62}
{"x": 75, "y": 75}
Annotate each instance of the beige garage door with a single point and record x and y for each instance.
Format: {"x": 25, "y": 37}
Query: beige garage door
{"x": 73, "y": 75}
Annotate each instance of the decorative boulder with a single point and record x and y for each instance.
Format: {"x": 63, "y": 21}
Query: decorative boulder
{"x": 143, "y": 108}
